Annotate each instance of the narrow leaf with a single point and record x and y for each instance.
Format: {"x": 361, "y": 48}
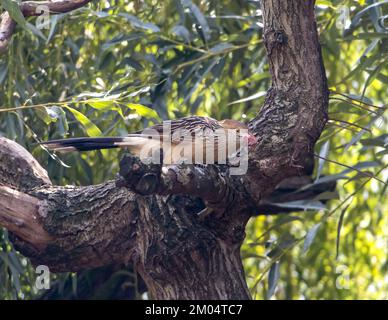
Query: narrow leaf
{"x": 339, "y": 227}
{"x": 359, "y": 135}
{"x": 273, "y": 278}
{"x": 302, "y": 204}
{"x": 310, "y": 237}
{"x": 14, "y": 11}
{"x": 137, "y": 23}
{"x": 143, "y": 110}
{"x": 322, "y": 156}
{"x": 201, "y": 19}
{"x": 91, "y": 129}
{"x": 252, "y": 97}
{"x": 182, "y": 32}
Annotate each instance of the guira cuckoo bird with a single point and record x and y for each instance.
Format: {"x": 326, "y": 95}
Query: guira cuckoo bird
{"x": 211, "y": 138}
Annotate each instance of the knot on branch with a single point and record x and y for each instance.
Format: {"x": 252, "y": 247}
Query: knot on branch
{"x": 211, "y": 183}
{"x": 138, "y": 176}
{"x": 280, "y": 37}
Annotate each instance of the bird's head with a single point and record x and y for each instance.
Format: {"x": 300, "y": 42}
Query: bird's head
{"x": 237, "y": 125}
{"x": 233, "y": 124}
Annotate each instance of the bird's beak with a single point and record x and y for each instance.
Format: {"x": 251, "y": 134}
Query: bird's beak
{"x": 250, "y": 140}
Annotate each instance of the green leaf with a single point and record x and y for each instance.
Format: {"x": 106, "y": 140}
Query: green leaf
{"x": 283, "y": 221}
{"x": 182, "y": 32}
{"x": 372, "y": 76}
{"x": 61, "y": 124}
{"x": 91, "y": 129}
{"x": 221, "y": 47}
{"x": 361, "y": 175}
{"x": 363, "y": 64}
{"x": 382, "y": 153}
{"x": 357, "y": 18}
{"x": 16, "y": 14}
{"x": 359, "y": 98}
{"x": 339, "y": 227}
{"x": 15, "y": 261}
{"x": 201, "y": 19}
{"x": 3, "y": 72}
{"x": 53, "y": 25}
{"x": 359, "y": 135}
{"x": 52, "y": 113}
{"x": 302, "y": 204}
{"x": 368, "y": 36}
{"x": 325, "y": 3}
{"x": 280, "y": 249}
{"x": 382, "y": 77}
{"x": 30, "y": 27}
{"x": 310, "y": 237}
{"x": 370, "y": 48}
{"x": 42, "y": 114}
{"x": 380, "y": 141}
{"x": 200, "y": 77}
{"x": 102, "y": 104}
{"x": 137, "y": 23}
{"x": 273, "y": 278}
{"x": 106, "y": 103}
{"x": 343, "y": 174}
{"x": 14, "y": 11}
{"x": 327, "y": 195}
{"x": 249, "y": 98}
{"x": 143, "y": 110}
{"x": 322, "y": 156}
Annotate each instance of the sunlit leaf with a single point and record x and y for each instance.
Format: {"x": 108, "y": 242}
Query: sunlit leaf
{"x": 143, "y": 111}
{"x": 302, "y": 205}
{"x": 249, "y": 98}
{"x": 91, "y": 129}
{"x": 322, "y": 156}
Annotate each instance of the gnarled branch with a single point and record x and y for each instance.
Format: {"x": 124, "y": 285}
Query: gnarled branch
{"x": 154, "y": 224}
{"x": 34, "y": 8}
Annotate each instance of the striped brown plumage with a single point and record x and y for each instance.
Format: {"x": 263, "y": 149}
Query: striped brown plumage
{"x": 197, "y": 131}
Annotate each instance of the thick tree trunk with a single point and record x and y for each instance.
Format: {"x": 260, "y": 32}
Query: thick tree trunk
{"x": 146, "y": 219}
{"x": 180, "y": 258}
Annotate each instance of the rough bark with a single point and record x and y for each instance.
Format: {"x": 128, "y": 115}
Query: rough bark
{"x": 92, "y": 226}
{"x": 148, "y": 218}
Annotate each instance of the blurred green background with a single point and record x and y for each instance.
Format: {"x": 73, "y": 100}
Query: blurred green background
{"x": 117, "y": 66}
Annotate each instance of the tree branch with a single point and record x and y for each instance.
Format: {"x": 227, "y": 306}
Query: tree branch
{"x": 84, "y": 226}
{"x": 287, "y": 125}
{"x": 295, "y": 109}
{"x": 154, "y": 225}
{"x": 19, "y": 214}
{"x": 35, "y": 8}
{"x": 7, "y": 27}
{"x": 105, "y": 224}
{"x": 211, "y": 183}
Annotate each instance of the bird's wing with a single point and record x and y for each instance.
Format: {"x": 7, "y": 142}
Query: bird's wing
{"x": 177, "y": 130}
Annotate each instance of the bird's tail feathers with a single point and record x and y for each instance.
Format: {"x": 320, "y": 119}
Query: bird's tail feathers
{"x": 87, "y": 144}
